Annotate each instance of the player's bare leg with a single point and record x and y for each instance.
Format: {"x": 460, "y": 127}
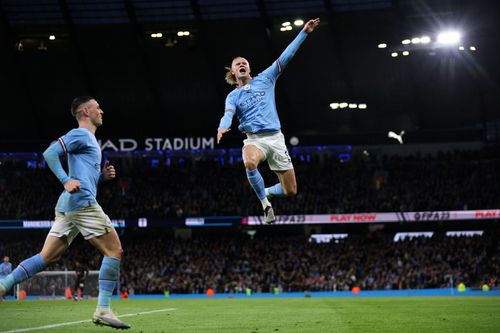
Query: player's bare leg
{"x": 252, "y": 156}
{"x": 51, "y": 252}
{"x": 287, "y": 186}
{"x": 288, "y": 182}
{"x": 110, "y": 246}
{"x": 53, "y": 248}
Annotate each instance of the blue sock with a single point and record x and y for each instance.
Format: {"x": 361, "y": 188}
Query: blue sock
{"x": 24, "y": 271}
{"x": 257, "y": 183}
{"x": 276, "y": 190}
{"x": 108, "y": 275}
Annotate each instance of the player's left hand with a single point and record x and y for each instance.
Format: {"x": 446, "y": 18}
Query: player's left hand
{"x": 311, "y": 25}
{"x": 221, "y": 132}
{"x": 109, "y": 171}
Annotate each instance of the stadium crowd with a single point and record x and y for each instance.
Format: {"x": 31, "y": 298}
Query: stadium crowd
{"x": 155, "y": 263}
{"x": 190, "y": 186}
{"x": 201, "y": 186}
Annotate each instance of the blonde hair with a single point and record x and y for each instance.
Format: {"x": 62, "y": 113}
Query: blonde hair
{"x": 230, "y": 77}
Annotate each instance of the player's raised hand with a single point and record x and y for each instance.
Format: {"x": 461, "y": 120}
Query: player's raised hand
{"x": 311, "y": 25}
{"x": 72, "y": 186}
{"x": 109, "y": 171}
{"x": 221, "y": 132}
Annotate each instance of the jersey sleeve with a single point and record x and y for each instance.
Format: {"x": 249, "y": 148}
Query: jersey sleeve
{"x": 51, "y": 156}
{"x": 229, "y": 112}
{"x": 230, "y": 103}
{"x": 275, "y": 70}
{"x": 272, "y": 72}
{"x": 74, "y": 141}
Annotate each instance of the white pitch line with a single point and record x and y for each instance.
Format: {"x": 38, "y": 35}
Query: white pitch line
{"x": 82, "y": 321}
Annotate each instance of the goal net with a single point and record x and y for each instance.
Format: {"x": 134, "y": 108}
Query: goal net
{"x": 57, "y": 284}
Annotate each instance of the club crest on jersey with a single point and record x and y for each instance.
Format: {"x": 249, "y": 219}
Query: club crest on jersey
{"x": 247, "y": 86}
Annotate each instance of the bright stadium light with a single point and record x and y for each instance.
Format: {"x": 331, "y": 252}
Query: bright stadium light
{"x": 353, "y": 106}
{"x": 472, "y": 48}
{"x": 449, "y": 37}
{"x": 52, "y": 37}
{"x": 186, "y": 33}
{"x": 415, "y": 40}
{"x": 180, "y": 33}
{"x": 285, "y": 24}
{"x": 153, "y": 35}
{"x": 343, "y": 105}
{"x": 425, "y": 39}
{"x": 288, "y": 28}
{"x": 382, "y": 45}
{"x": 298, "y": 23}
{"x": 283, "y": 29}
{"x": 406, "y": 53}
{"x": 362, "y": 106}
{"x": 461, "y": 48}
{"x": 334, "y": 106}
{"x": 159, "y": 35}
{"x": 406, "y": 41}
{"x": 394, "y": 54}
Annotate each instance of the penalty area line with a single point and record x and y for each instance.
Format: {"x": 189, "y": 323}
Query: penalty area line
{"x": 82, "y": 321}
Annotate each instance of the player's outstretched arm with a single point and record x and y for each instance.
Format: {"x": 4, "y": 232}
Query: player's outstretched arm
{"x": 51, "y": 156}
{"x": 291, "y": 49}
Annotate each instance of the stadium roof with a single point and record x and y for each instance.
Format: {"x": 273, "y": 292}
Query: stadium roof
{"x": 52, "y": 12}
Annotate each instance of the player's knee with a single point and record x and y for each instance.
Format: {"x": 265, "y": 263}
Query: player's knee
{"x": 115, "y": 253}
{"x": 51, "y": 259}
{"x": 250, "y": 164}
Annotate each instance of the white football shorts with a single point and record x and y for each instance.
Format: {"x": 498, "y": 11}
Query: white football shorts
{"x": 274, "y": 149}
{"x": 89, "y": 221}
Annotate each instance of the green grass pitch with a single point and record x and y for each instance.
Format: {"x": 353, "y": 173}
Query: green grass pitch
{"x": 402, "y": 314}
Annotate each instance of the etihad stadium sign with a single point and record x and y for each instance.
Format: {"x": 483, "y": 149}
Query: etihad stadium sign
{"x": 151, "y": 144}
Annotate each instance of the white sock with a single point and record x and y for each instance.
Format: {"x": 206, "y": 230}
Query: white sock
{"x": 102, "y": 309}
{"x": 265, "y": 203}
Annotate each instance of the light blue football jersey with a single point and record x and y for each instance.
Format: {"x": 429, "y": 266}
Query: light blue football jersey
{"x": 254, "y": 103}
{"x": 84, "y": 164}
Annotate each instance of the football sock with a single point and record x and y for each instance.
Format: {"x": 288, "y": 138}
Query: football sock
{"x": 108, "y": 275}
{"x": 257, "y": 182}
{"x": 275, "y": 191}
{"x": 25, "y": 270}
